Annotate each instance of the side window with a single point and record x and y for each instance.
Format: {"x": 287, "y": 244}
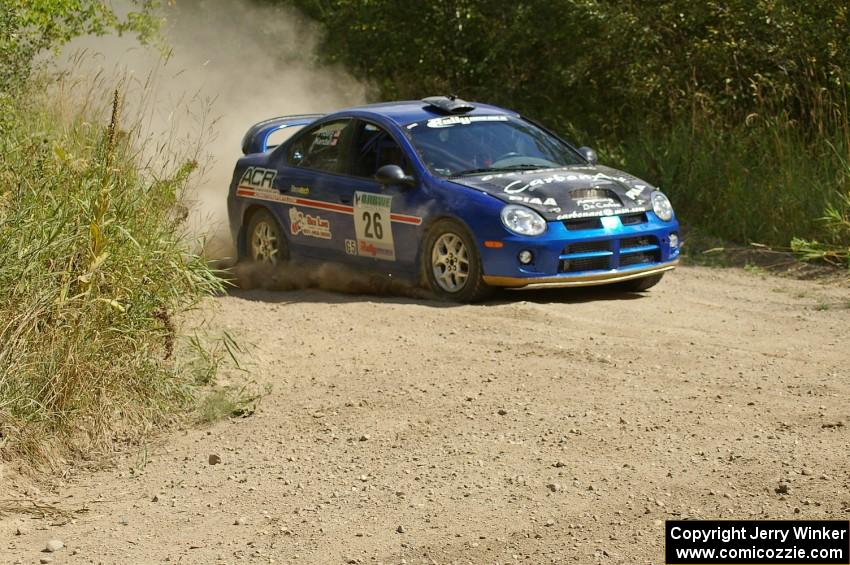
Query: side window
{"x": 321, "y": 147}
{"x": 374, "y": 148}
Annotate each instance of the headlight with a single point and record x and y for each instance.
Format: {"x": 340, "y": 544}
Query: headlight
{"x": 523, "y": 221}
{"x": 661, "y": 206}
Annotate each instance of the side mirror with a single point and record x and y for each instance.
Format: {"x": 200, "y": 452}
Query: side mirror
{"x": 392, "y": 174}
{"x": 589, "y": 154}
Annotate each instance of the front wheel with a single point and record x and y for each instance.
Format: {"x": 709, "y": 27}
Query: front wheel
{"x": 452, "y": 264}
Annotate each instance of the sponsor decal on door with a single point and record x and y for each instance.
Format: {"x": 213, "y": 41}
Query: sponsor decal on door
{"x": 373, "y": 225}
{"x": 309, "y": 226}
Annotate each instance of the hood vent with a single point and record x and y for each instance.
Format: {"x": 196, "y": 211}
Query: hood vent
{"x": 595, "y": 194}
{"x": 448, "y": 104}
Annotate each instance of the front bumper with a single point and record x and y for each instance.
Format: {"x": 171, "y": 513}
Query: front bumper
{"x": 562, "y": 281}
{"x": 616, "y": 249}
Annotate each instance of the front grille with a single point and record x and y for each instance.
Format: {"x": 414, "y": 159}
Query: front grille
{"x": 583, "y": 224}
{"x": 640, "y": 241}
{"x": 590, "y": 264}
{"x": 633, "y": 219}
{"x": 626, "y": 252}
{"x": 639, "y": 258}
{"x": 587, "y": 247}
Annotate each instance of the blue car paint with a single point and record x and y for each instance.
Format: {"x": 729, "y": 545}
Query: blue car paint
{"x": 431, "y": 199}
{"x": 548, "y": 249}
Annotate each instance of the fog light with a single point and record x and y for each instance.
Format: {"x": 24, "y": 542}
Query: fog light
{"x": 674, "y": 240}
{"x": 525, "y": 257}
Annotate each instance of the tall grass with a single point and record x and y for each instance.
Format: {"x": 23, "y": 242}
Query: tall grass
{"x": 94, "y": 270}
{"x": 778, "y": 176}
{"x": 835, "y": 245}
{"x": 765, "y": 179}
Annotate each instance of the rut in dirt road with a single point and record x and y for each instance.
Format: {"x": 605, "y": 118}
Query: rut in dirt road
{"x": 547, "y": 428}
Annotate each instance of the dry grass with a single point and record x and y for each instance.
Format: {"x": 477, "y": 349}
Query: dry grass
{"x": 94, "y": 268}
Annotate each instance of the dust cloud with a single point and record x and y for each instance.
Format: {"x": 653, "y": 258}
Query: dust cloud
{"x": 327, "y": 276}
{"x": 228, "y": 65}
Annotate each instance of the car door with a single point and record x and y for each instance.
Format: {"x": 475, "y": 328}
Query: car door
{"x": 386, "y": 229}
{"x": 316, "y": 216}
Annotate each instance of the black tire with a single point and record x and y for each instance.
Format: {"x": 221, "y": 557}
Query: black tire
{"x": 639, "y": 285}
{"x": 274, "y": 250}
{"x": 465, "y": 274}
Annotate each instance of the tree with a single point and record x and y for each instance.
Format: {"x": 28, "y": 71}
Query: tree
{"x": 28, "y": 27}
{"x": 601, "y": 66}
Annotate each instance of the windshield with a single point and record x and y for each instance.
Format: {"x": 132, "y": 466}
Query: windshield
{"x": 466, "y": 145}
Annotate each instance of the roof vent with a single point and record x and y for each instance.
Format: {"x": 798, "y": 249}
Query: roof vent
{"x": 450, "y": 104}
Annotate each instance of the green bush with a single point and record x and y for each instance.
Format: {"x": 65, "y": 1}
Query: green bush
{"x": 29, "y": 27}
{"x": 94, "y": 272}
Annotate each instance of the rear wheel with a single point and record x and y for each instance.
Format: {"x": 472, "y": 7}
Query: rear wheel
{"x": 452, "y": 264}
{"x": 264, "y": 241}
{"x": 639, "y": 285}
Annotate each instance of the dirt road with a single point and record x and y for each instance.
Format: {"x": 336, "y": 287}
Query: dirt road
{"x": 556, "y": 427}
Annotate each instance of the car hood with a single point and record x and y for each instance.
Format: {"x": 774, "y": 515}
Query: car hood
{"x": 567, "y": 193}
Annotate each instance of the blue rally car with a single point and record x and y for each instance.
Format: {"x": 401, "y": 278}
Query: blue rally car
{"x": 463, "y": 196}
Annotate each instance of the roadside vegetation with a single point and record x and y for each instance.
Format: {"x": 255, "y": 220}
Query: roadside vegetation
{"x": 738, "y": 109}
{"x": 95, "y": 268}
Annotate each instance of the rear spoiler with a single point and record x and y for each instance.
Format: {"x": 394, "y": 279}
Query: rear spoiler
{"x": 256, "y": 139}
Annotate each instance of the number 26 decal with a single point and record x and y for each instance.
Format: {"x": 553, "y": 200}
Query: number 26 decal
{"x": 373, "y": 225}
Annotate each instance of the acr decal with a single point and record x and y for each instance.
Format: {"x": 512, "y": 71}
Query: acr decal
{"x": 257, "y": 177}
{"x": 463, "y": 120}
{"x": 350, "y": 247}
{"x": 275, "y": 196}
{"x": 307, "y": 225}
{"x": 305, "y": 190}
{"x": 373, "y": 225}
